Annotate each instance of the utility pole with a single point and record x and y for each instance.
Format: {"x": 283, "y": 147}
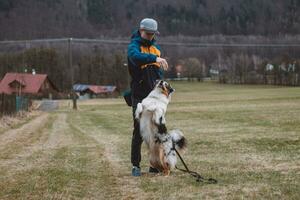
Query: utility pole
{"x": 73, "y": 94}
{"x": 71, "y": 59}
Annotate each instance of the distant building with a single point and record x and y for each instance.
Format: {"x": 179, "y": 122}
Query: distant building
{"x": 38, "y": 85}
{"x": 85, "y": 91}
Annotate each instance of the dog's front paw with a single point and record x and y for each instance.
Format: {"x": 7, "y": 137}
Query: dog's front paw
{"x": 162, "y": 120}
{"x": 159, "y": 119}
{"x": 138, "y": 111}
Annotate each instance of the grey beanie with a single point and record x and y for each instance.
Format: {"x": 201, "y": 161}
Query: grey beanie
{"x": 149, "y": 25}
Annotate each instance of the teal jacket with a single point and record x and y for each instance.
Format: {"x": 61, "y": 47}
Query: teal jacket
{"x": 142, "y": 66}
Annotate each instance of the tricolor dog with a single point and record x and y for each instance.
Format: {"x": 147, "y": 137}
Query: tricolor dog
{"x": 151, "y": 115}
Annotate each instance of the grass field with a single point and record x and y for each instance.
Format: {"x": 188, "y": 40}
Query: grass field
{"x": 247, "y": 137}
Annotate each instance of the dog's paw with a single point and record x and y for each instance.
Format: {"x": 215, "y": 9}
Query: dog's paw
{"x": 138, "y": 111}
{"x": 167, "y": 173}
{"x": 158, "y": 117}
{"x": 162, "y": 120}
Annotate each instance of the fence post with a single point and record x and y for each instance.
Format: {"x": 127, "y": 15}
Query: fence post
{"x": 1, "y": 105}
{"x": 74, "y": 98}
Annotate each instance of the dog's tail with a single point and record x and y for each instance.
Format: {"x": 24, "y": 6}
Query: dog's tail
{"x": 138, "y": 111}
{"x": 178, "y": 139}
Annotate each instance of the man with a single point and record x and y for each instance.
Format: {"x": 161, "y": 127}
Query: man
{"x": 145, "y": 66}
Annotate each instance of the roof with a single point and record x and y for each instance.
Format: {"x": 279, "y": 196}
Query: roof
{"x": 31, "y": 83}
{"x": 21, "y": 82}
{"x": 80, "y": 87}
{"x": 96, "y": 89}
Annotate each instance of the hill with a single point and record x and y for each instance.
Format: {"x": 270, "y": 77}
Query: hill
{"x": 113, "y": 18}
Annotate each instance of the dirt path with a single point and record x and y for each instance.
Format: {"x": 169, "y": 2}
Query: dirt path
{"x": 49, "y": 133}
{"x": 56, "y": 148}
{"x": 15, "y": 135}
{"x": 37, "y": 144}
{"x": 44, "y": 142}
{"x": 58, "y": 136}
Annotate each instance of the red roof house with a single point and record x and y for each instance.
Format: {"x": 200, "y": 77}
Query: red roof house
{"x": 89, "y": 91}
{"x": 98, "y": 89}
{"x": 24, "y": 83}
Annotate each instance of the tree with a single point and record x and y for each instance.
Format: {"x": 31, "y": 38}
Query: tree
{"x": 193, "y": 68}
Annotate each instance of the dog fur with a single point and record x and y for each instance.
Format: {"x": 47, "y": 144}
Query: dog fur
{"x": 151, "y": 115}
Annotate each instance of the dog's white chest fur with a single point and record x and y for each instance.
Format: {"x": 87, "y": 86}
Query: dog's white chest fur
{"x": 150, "y": 113}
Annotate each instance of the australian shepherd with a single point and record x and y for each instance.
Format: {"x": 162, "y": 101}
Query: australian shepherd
{"x": 161, "y": 143}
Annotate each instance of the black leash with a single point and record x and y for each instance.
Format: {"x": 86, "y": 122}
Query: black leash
{"x": 198, "y": 177}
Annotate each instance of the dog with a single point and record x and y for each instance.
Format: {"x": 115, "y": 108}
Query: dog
{"x": 151, "y": 115}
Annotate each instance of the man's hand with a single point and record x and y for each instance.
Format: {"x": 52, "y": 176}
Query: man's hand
{"x": 163, "y": 63}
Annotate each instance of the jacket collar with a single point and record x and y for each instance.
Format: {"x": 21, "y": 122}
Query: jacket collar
{"x": 137, "y": 37}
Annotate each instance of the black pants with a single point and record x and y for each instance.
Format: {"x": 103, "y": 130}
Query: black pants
{"x": 136, "y": 142}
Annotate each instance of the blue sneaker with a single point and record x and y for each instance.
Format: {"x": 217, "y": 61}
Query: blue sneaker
{"x": 136, "y": 171}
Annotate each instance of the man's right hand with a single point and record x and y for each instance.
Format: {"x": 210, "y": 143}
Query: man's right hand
{"x": 163, "y": 63}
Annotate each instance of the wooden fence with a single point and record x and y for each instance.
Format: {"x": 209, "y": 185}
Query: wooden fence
{"x": 10, "y": 104}
{"x": 7, "y": 104}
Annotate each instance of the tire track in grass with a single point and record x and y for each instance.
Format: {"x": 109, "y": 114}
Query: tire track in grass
{"x": 51, "y": 137}
{"x": 67, "y": 165}
{"x": 145, "y": 187}
{"x": 61, "y": 175}
{"x": 128, "y": 185}
{"x": 18, "y": 170}
{"x": 13, "y": 141}
{"x": 18, "y": 160}
{"x": 101, "y": 178}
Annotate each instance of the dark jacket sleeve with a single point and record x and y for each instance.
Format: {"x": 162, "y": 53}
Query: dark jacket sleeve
{"x": 135, "y": 55}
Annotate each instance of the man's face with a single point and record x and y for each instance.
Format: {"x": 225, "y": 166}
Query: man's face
{"x": 146, "y": 35}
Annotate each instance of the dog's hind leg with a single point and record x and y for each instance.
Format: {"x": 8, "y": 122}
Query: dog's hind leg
{"x": 166, "y": 167}
{"x": 167, "y": 172}
{"x": 163, "y": 161}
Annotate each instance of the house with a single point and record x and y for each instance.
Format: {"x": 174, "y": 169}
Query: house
{"x": 85, "y": 91}
{"x": 37, "y": 85}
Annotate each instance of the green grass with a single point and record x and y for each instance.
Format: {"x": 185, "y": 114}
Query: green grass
{"x": 246, "y": 136}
